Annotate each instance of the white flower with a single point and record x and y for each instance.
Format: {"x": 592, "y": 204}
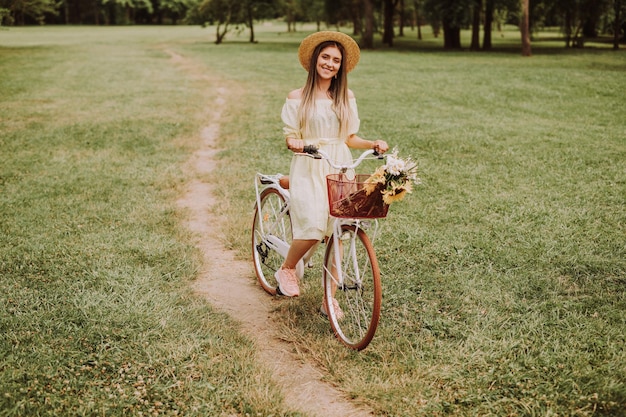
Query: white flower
{"x": 395, "y": 165}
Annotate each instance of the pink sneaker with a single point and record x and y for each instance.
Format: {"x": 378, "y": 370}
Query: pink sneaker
{"x": 336, "y": 308}
{"x": 287, "y": 282}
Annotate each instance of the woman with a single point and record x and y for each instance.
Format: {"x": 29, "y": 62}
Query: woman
{"x": 322, "y": 113}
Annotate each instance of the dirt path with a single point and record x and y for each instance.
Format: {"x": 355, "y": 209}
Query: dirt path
{"x": 239, "y": 295}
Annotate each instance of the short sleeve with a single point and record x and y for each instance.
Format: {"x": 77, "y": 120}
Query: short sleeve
{"x": 289, "y": 115}
{"x": 355, "y": 122}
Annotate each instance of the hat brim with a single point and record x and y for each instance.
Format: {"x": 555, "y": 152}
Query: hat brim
{"x": 308, "y": 45}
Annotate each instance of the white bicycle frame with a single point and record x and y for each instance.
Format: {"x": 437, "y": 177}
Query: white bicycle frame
{"x": 265, "y": 181}
{"x": 282, "y": 247}
{"x": 271, "y": 240}
{"x": 338, "y": 223}
{"x": 337, "y": 233}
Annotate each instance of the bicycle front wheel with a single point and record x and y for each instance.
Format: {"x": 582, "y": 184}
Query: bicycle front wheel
{"x": 271, "y": 232}
{"x": 356, "y": 287}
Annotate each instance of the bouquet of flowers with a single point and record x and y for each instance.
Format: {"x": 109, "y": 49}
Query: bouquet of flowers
{"x": 369, "y": 196}
{"x": 394, "y": 180}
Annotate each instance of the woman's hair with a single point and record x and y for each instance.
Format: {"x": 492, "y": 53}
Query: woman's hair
{"x": 338, "y": 92}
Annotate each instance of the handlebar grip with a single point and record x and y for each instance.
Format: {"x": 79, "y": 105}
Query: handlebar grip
{"x": 310, "y": 149}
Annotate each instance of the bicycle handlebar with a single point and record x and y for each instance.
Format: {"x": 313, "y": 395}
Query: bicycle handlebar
{"x": 313, "y": 152}
{"x": 310, "y": 149}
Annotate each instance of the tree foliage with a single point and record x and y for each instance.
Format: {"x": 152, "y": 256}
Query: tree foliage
{"x": 226, "y": 13}
{"x": 453, "y": 15}
{"x": 22, "y": 11}
{"x": 578, "y": 19}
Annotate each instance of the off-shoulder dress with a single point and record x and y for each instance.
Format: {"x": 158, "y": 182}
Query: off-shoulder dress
{"x": 307, "y": 176}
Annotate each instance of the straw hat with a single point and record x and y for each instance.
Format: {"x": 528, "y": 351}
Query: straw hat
{"x": 353, "y": 53}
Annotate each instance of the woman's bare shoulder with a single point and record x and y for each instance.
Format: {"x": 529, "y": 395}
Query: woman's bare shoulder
{"x": 350, "y": 94}
{"x": 295, "y": 94}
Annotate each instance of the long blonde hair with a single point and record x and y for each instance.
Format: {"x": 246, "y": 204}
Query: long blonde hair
{"x": 338, "y": 92}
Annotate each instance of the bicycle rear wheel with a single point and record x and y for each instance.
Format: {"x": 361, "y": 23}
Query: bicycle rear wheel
{"x": 358, "y": 292}
{"x": 271, "y": 231}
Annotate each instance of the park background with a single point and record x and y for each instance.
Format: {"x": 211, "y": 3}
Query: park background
{"x": 503, "y": 273}
{"x": 579, "y": 20}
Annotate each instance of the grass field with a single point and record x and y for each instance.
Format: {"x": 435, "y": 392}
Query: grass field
{"x": 504, "y": 273}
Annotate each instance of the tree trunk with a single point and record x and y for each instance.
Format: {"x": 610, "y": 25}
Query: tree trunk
{"x": 251, "y": 22}
{"x": 418, "y": 19}
{"x": 66, "y": 12}
{"x": 219, "y": 36}
{"x": 488, "y": 25}
{"x": 252, "y": 40}
{"x": 388, "y": 23}
{"x": 568, "y": 28}
{"x": 451, "y": 35}
{"x": 525, "y": 29}
{"x": 96, "y": 13}
{"x": 78, "y": 13}
{"x": 401, "y": 22}
{"x": 367, "y": 39}
{"x": 290, "y": 16}
{"x": 475, "y": 45}
{"x": 617, "y": 6}
{"x": 356, "y": 15}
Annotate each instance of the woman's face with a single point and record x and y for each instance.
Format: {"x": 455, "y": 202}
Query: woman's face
{"x": 328, "y": 62}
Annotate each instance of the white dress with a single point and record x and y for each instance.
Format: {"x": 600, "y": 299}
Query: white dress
{"x": 307, "y": 176}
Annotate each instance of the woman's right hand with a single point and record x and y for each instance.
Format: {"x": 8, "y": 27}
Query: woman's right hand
{"x": 295, "y": 145}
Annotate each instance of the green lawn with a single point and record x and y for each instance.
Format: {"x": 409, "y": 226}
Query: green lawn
{"x": 504, "y": 273}
{"x": 97, "y": 315}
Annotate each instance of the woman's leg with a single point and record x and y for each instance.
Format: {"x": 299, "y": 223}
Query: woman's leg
{"x": 286, "y": 275}
{"x": 298, "y": 248}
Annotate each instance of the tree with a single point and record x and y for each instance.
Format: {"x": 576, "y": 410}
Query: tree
{"x": 389, "y": 7}
{"x": 222, "y": 13}
{"x": 453, "y": 15}
{"x": 249, "y": 7}
{"x": 401, "y": 16}
{"x": 617, "y": 25}
{"x": 314, "y": 10}
{"x": 475, "y": 45}
{"x": 489, "y": 6}
{"x": 525, "y": 29}
{"x": 418, "y": 18}
{"x": 579, "y": 19}
{"x": 5, "y": 16}
{"x": 290, "y": 8}
{"x": 253, "y": 10}
{"x": 339, "y": 12}
{"x": 21, "y": 10}
{"x": 129, "y": 8}
{"x": 172, "y": 9}
{"x": 356, "y": 15}
{"x": 367, "y": 39}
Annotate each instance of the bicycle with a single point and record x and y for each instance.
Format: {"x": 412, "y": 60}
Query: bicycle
{"x": 356, "y": 284}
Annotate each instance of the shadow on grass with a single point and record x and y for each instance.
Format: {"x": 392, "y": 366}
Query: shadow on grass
{"x": 553, "y": 45}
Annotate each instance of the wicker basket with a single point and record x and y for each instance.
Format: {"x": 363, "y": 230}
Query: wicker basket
{"x": 348, "y": 199}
